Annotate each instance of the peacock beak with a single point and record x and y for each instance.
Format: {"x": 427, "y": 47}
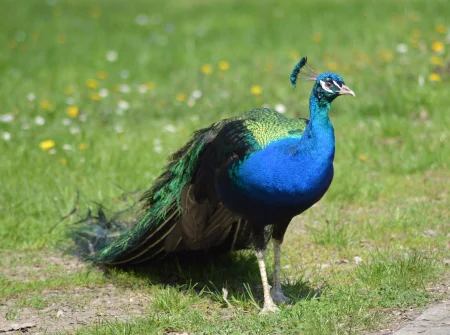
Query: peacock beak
{"x": 345, "y": 90}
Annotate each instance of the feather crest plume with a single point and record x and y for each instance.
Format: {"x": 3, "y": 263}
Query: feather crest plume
{"x": 302, "y": 71}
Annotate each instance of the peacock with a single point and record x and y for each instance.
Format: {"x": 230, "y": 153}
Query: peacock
{"x": 234, "y": 185}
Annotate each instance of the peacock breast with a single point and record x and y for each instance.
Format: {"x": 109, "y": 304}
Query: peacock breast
{"x": 286, "y": 173}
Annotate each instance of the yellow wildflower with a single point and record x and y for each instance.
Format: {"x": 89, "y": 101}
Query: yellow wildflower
{"x": 102, "y": 75}
{"x": 317, "y": 37}
{"x": 181, "y": 97}
{"x": 150, "y": 85}
{"x": 96, "y": 97}
{"x": 294, "y": 55}
{"x": 362, "y": 157}
{"x": 224, "y": 65}
{"x": 45, "y": 105}
{"x": 72, "y": 111}
{"x": 96, "y": 12}
{"x": 61, "y": 38}
{"x": 63, "y": 161}
{"x": 46, "y": 145}
{"x": 416, "y": 33}
{"x": 35, "y": 36}
{"x": 437, "y": 46}
{"x": 386, "y": 55}
{"x": 12, "y": 45}
{"x": 435, "y": 60}
{"x": 440, "y": 28}
{"x": 414, "y": 16}
{"x": 268, "y": 67}
{"x": 332, "y": 66}
{"x": 82, "y": 146}
{"x": 92, "y": 83}
{"x": 256, "y": 90}
{"x": 207, "y": 69}
{"x": 57, "y": 11}
{"x": 435, "y": 77}
{"x": 68, "y": 90}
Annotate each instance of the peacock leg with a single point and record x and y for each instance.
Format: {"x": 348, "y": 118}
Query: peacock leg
{"x": 269, "y": 305}
{"x": 276, "y": 292}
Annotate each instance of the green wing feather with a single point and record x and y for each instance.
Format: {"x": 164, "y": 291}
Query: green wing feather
{"x": 181, "y": 210}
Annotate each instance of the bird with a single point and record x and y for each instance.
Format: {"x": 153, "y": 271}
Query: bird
{"x": 234, "y": 185}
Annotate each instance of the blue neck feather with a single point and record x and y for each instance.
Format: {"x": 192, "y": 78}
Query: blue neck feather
{"x": 319, "y": 127}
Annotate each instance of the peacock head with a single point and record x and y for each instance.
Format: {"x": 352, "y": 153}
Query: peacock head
{"x": 328, "y": 86}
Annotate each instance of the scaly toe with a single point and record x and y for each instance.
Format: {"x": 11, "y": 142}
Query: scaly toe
{"x": 278, "y": 296}
{"x": 269, "y": 309}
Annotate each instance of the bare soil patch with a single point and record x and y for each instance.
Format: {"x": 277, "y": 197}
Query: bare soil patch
{"x": 74, "y": 308}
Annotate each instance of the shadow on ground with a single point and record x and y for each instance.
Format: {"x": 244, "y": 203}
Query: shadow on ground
{"x": 237, "y": 272}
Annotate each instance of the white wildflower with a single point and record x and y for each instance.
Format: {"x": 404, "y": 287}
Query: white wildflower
{"x": 123, "y": 105}
{"x": 83, "y": 117}
{"x": 402, "y": 48}
{"x": 142, "y": 19}
{"x": 31, "y": 97}
{"x": 74, "y": 130}
{"x": 421, "y": 81}
{"x": 197, "y": 94}
{"x": 111, "y": 56}
{"x": 124, "y": 74}
{"x": 191, "y": 101}
{"x": 66, "y": 121}
{"x": 170, "y": 128}
{"x": 6, "y": 118}
{"x": 20, "y": 36}
{"x": 357, "y": 260}
{"x": 70, "y": 101}
{"x": 123, "y": 88}
{"x": 280, "y": 108}
{"x": 67, "y": 147}
{"x": 25, "y": 126}
{"x": 118, "y": 128}
{"x": 6, "y": 136}
{"x": 52, "y": 151}
{"x": 170, "y": 28}
{"x": 39, "y": 120}
{"x": 103, "y": 93}
{"x": 142, "y": 89}
{"x": 124, "y": 147}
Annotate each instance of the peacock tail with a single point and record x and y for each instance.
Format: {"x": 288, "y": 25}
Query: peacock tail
{"x": 182, "y": 211}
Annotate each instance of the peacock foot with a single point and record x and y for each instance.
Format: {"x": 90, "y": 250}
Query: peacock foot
{"x": 278, "y": 296}
{"x": 269, "y": 308}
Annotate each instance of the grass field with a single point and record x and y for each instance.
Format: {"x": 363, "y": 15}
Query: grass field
{"x": 95, "y": 94}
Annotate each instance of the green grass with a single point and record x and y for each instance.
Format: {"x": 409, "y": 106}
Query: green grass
{"x": 388, "y": 203}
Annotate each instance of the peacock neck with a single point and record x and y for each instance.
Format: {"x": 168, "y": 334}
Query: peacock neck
{"x": 318, "y": 111}
{"x": 319, "y": 130}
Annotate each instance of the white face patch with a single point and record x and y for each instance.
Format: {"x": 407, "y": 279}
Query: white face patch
{"x": 324, "y": 86}
{"x": 337, "y": 85}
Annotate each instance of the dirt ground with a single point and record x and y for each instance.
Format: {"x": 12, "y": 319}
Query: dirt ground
{"x": 69, "y": 309}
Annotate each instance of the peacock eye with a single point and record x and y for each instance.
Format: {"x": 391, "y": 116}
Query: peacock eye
{"x": 328, "y": 84}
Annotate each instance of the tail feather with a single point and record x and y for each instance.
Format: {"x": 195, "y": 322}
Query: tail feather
{"x": 109, "y": 242}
